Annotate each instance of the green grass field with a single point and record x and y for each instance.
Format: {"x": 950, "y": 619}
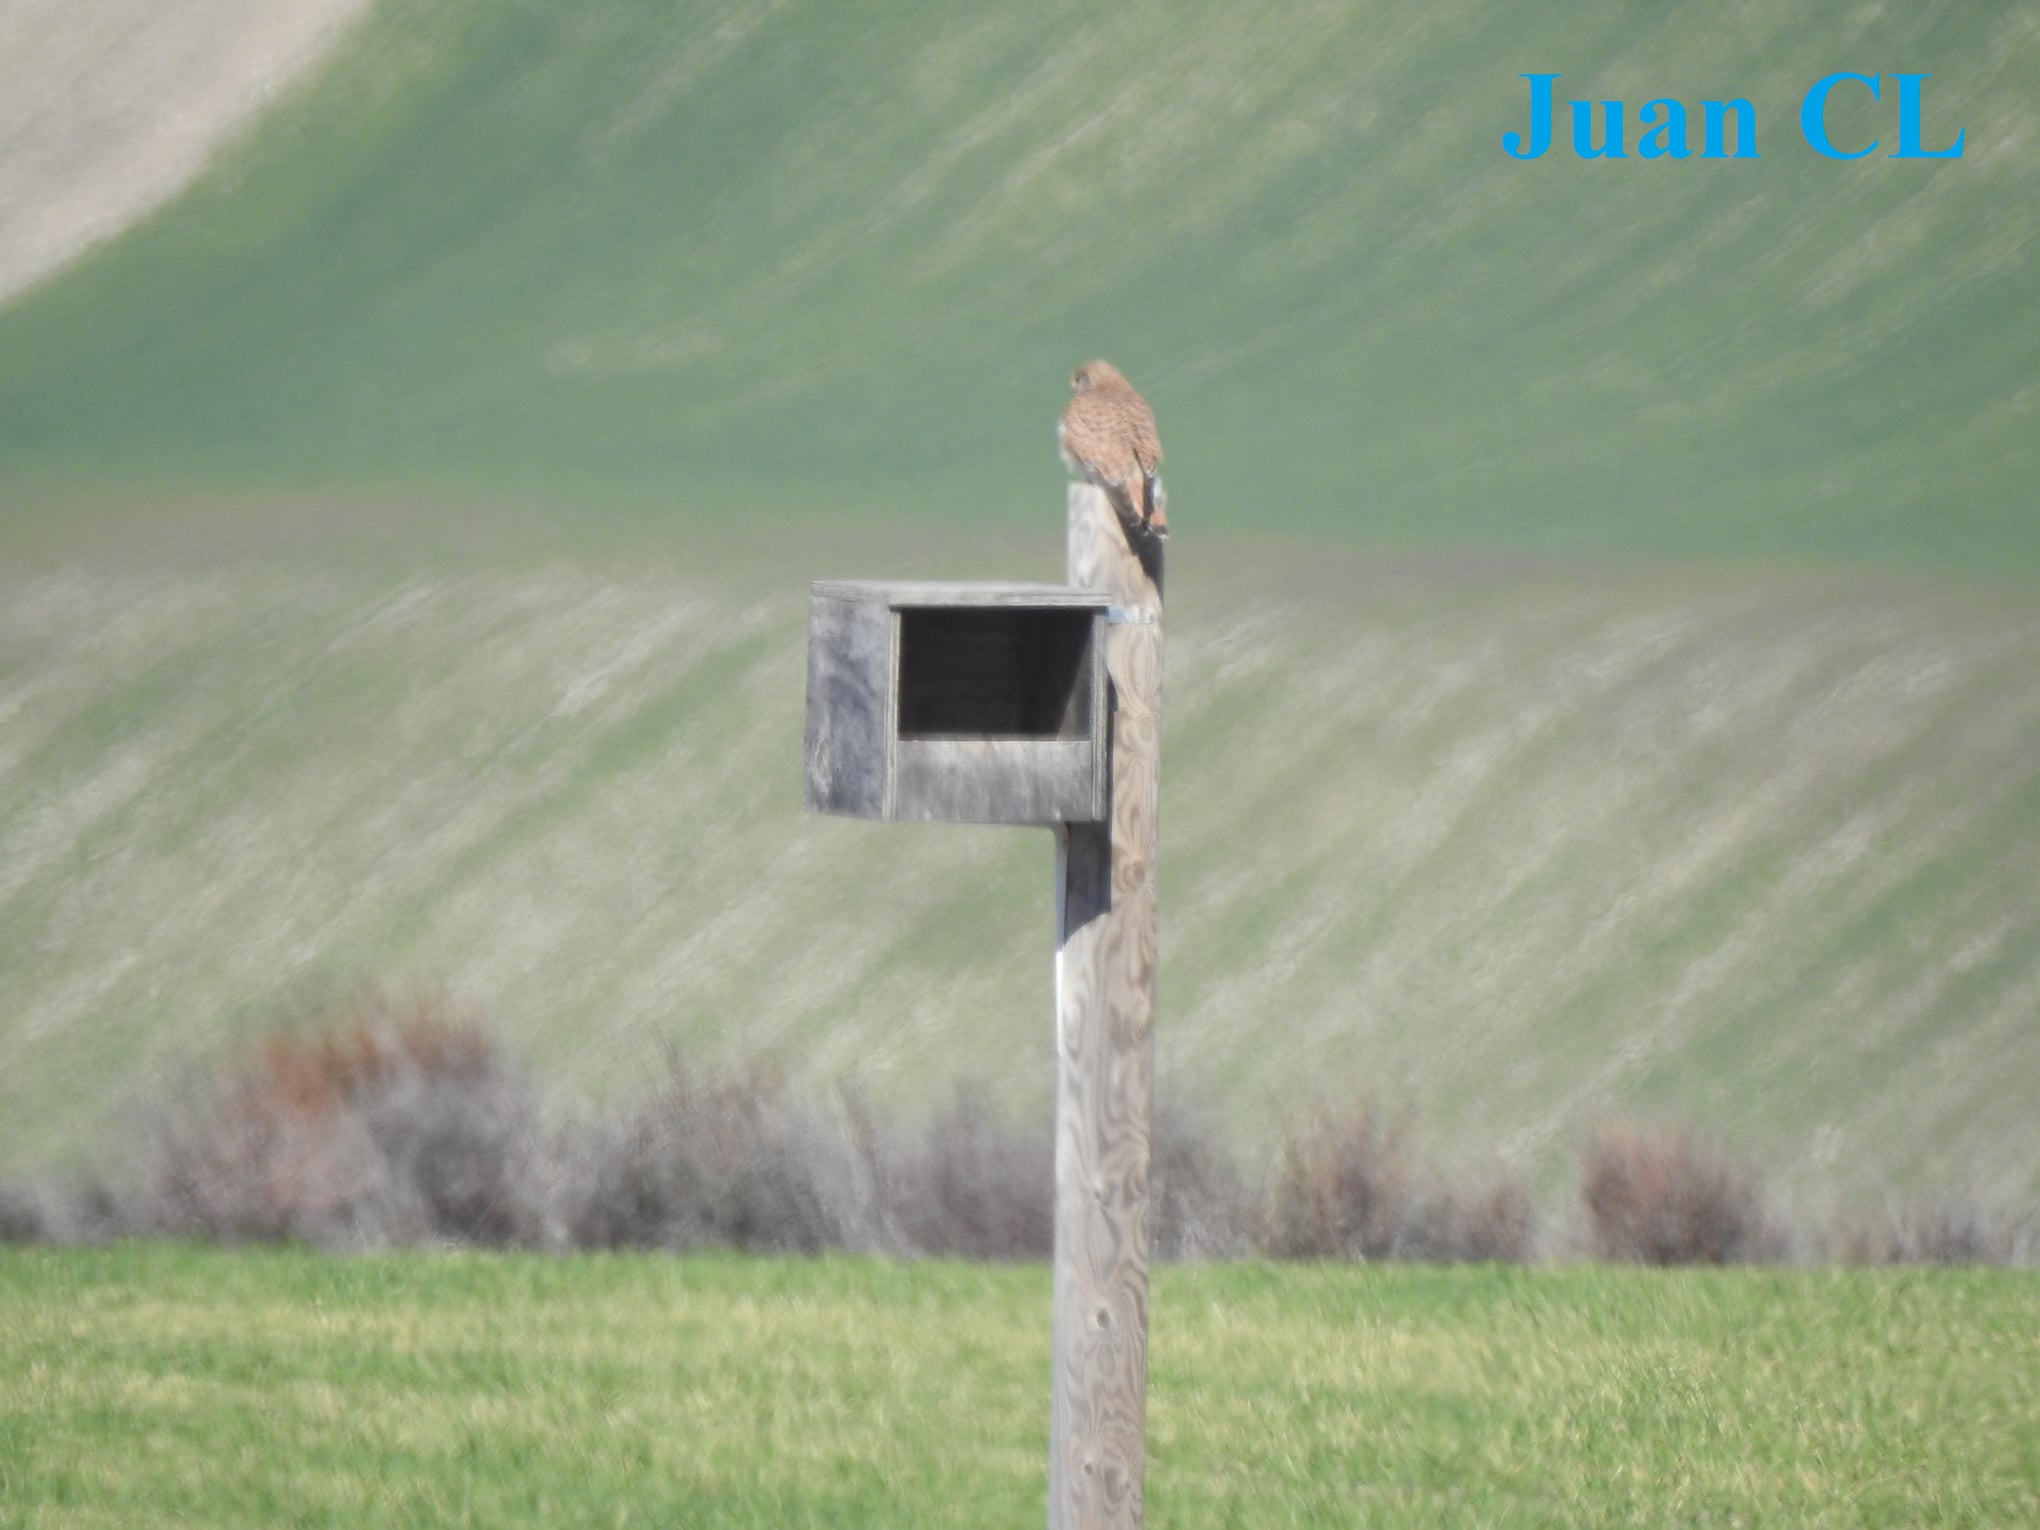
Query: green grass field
{"x": 775, "y": 261}
{"x": 163, "y": 1385}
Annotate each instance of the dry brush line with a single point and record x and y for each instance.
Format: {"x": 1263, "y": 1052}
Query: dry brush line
{"x": 1930, "y": 1229}
{"x": 391, "y": 1124}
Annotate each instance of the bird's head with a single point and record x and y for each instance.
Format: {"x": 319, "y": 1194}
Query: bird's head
{"x": 1092, "y": 373}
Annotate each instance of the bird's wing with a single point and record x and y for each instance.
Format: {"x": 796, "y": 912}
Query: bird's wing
{"x": 1143, "y": 437}
{"x": 1090, "y": 439}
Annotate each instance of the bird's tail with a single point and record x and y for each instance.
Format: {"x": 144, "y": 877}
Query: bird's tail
{"x": 1154, "y": 505}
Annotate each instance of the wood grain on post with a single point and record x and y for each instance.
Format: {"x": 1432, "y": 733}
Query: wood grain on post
{"x": 1105, "y": 1005}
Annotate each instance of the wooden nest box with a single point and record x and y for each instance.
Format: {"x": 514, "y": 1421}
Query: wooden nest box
{"x": 957, "y": 703}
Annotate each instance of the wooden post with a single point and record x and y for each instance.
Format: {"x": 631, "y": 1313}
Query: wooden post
{"x": 1104, "y": 1009}
{"x": 1040, "y": 704}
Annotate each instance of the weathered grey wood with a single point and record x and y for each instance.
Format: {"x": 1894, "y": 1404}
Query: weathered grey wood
{"x": 969, "y": 703}
{"x": 901, "y": 593}
{"x": 1105, "y": 975}
{"x": 1012, "y": 703}
{"x": 849, "y": 706}
{"x": 1000, "y": 780}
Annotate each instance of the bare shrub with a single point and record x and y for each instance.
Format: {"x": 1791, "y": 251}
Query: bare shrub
{"x": 735, "y": 1161}
{"x": 24, "y": 1217}
{"x": 462, "y": 1138}
{"x": 1936, "y": 1229}
{"x": 63, "y": 1211}
{"x": 1666, "y": 1197}
{"x": 1352, "y": 1186}
{"x": 969, "y": 1183}
{"x": 389, "y": 1124}
{"x": 1200, "y": 1205}
{"x": 1493, "y": 1221}
{"x": 740, "y": 1160}
{"x": 1341, "y": 1185}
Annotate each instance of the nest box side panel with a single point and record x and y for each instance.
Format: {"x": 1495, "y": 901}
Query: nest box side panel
{"x": 850, "y": 700}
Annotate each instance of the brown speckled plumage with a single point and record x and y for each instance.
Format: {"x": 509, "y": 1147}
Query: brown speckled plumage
{"x": 1107, "y": 433}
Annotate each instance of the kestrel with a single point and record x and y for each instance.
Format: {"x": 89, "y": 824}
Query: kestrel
{"x": 1107, "y": 433}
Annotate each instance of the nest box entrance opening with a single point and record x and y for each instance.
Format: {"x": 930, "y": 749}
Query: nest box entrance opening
{"x": 995, "y": 672}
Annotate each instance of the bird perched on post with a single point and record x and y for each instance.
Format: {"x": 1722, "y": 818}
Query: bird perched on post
{"x": 1107, "y": 433}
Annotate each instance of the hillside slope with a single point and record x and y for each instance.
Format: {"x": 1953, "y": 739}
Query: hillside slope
{"x": 402, "y": 538}
{"x": 108, "y": 108}
{"x": 1486, "y": 837}
{"x": 791, "y": 259}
